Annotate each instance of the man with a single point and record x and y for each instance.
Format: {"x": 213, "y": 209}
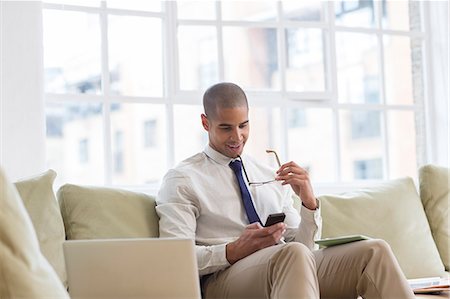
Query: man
{"x": 212, "y": 197}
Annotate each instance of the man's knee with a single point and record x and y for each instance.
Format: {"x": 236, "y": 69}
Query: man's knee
{"x": 295, "y": 253}
{"x": 377, "y": 247}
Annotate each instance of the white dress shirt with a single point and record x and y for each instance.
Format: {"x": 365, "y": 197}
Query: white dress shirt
{"x": 200, "y": 199}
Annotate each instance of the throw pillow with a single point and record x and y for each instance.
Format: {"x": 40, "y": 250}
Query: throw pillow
{"x": 391, "y": 211}
{"x": 435, "y": 195}
{"x": 40, "y": 201}
{"x": 24, "y": 271}
{"x": 99, "y": 213}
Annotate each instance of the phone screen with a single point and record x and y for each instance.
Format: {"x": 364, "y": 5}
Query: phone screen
{"x": 274, "y": 218}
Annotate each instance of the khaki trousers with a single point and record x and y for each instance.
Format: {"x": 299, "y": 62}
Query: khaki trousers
{"x": 365, "y": 268}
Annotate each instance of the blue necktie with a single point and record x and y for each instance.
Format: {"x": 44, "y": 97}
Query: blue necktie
{"x": 252, "y": 215}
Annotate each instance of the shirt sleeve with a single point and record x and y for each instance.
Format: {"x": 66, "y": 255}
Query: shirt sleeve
{"x": 309, "y": 223}
{"x": 310, "y": 227}
{"x": 178, "y": 210}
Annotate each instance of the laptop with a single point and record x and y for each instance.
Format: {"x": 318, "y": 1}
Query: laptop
{"x": 132, "y": 268}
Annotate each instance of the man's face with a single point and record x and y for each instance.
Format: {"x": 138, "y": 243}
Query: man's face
{"x": 228, "y": 130}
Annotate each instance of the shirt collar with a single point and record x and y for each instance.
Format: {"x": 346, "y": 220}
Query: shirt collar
{"x": 216, "y": 156}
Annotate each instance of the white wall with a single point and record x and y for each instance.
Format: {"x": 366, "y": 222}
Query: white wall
{"x": 22, "y": 120}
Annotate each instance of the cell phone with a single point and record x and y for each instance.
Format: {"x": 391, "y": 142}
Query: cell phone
{"x": 274, "y": 218}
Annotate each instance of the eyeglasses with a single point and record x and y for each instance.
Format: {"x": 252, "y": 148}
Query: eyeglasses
{"x": 263, "y": 182}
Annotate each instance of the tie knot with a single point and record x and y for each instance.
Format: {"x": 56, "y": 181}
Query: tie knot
{"x": 236, "y": 165}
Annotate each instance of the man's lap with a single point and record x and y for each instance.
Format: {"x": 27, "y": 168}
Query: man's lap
{"x": 336, "y": 269}
{"x": 251, "y": 274}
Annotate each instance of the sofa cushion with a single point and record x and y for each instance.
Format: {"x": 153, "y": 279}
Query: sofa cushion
{"x": 435, "y": 196}
{"x": 101, "y": 213}
{"x": 24, "y": 271}
{"x": 40, "y": 201}
{"x": 391, "y": 211}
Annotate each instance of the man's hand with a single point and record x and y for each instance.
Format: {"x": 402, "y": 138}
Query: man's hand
{"x": 254, "y": 238}
{"x": 292, "y": 174}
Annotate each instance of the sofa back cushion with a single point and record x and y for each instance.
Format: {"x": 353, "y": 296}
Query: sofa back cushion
{"x": 435, "y": 196}
{"x": 39, "y": 200}
{"x": 391, "y": 211}
{"x": 102, "y": 213}
{"x": 24, "y": 271}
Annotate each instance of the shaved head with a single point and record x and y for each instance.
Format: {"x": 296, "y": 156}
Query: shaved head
{"x": 223, "y": 95}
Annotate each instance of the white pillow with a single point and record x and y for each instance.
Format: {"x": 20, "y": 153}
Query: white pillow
{"x": 40, "y": 201}
{"x": 24, "y": 271}
{"x": 435, "y": 195}
{"x": 391, "y": 211}
{"x": 105, "y": 213}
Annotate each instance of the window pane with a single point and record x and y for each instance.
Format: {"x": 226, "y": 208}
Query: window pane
{"x": 197, "y": 52}
{"x": 75, "y": 142}
{"x": 190, "y": 137}
{"x": 396, "y": 15}
{"x": 358, "y": 68}
{"x": 402, "y": 144}
{"x": 355, "y": 13}
{"x": 305, "y": 61}
{"x": 305, "y": 11}
{"x": 311, "y": 143}
{"x": 398, "y": 70}
{"x": 199, "y": 10}
{"x": 135, "y": 56}
{"x": 249, "y": 10}
{"x": 268, "y": 121}
{"x": 135, "y": 5}
{"x": 361, "y": 145}
{"x": 71, "y": 52}
{"x": 138, "y": 143}
{"x": 250, "y": 57}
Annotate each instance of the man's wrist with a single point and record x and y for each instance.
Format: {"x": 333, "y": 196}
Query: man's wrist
{"x": 229, "y": 250}
{"x": 312, "y": 207}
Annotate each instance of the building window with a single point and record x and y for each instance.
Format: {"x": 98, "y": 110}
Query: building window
{"x": 83, "y": 151}
{"x": 118, "y": 153}
{"x": 150, "y": 133}
{"x": 297, "y": 118}
{"x": 365, "y": 124}
{"x": 368, "y": 169}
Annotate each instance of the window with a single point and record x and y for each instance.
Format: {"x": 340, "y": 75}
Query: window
{"x": 118, "y": 153}
{"x": 84, "y": 151}
{"x": 337, "y": 86}
{"x": 150, "y": 133}
{"x": 365, "y": 124}
{"x": 368, "y": 169}
{"x": 297, "y": 118}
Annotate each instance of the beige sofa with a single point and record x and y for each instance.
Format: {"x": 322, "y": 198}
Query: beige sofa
{"x": 416, "y": 226}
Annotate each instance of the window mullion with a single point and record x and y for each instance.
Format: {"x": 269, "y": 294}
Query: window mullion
{"x": 384, "y": 113}
{"x": 170, "y": 51}
{"x": 332, "y": 84}
{"x": 107, "y": 143}
{"x": 385, "y": 137}
{"x": 282, "y": 49}
{"x": 172, "y": 80}
{"x": 220, "y": 54}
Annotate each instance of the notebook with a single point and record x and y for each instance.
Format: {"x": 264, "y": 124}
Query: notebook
{"x": 132, "y": 268}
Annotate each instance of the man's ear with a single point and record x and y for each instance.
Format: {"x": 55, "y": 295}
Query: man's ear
{"x": 205, "y": 122}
